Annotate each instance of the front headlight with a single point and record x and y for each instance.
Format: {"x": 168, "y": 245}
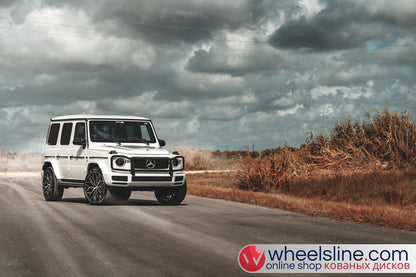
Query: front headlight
{"x": 120, "y": 163}
{"x": 178, "y": 163}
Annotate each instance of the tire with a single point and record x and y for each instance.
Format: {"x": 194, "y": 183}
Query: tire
{"x": 122, "y": 194}
{"x": 171, "y": 196}
{"x": 95, "y": 190}
{"x": 51, "y": 190}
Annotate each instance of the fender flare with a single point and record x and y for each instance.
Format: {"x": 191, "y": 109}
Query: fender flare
{"x": 55, "y": 167}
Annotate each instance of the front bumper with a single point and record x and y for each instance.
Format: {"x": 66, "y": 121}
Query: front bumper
{"x": 146, "y": 172}
{"x": 129, "y": 180}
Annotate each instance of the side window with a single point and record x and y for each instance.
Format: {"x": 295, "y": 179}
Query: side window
{"x": 145, "y": 132}
{"x": 53, "y": 134}
{"x": 66, "y": 133}
{"x": 79, "y": 131}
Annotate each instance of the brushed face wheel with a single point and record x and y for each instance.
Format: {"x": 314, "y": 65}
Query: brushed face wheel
{"x": 51, "y": 190}
{"x": 95, "y": 189}
{"x": 48, "y": 184}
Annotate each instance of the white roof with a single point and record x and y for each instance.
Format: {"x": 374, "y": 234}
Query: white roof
{"x": 92, "y": 116}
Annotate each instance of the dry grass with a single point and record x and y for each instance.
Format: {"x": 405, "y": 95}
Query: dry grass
{"x": 219, "y": 180}
{"x": 385, "y": 141}
{"x": 196, "y": 159}
{"x": 269, "y": 172}
{"x": 364, "y": 171}
{"x": 372, "y": 188}
{"x": 10, "y": 161}
{"x": 391, "y": 216}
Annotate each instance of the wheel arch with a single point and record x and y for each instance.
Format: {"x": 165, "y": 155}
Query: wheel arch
{"x": 46, "y": 165}
{"x": 54, "y": 166}
{"x": 93, "y": 165}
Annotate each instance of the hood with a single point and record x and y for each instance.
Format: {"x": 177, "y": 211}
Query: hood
{"x": 132, "y": 150}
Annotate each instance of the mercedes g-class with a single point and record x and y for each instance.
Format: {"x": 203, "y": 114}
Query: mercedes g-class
{"x": 109, "y": 157}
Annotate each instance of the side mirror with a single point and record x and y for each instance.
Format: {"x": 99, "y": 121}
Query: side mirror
{"x": 162, "y": 142}
{"x": 80, "y": 141}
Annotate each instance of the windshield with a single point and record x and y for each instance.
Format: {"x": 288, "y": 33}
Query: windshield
{"x": 121, "y": 131}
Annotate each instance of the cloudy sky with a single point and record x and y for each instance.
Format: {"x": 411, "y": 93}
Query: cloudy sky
{"x": 215, "y": 74}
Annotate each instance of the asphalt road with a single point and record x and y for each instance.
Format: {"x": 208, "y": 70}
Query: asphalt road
{"x": 202, "y": 237}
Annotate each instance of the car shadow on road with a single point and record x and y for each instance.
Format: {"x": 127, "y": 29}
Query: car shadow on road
{"x": 130, "y": 202}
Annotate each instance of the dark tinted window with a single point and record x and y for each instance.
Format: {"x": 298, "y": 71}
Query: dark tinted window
{"x": 53, "y": 134}
{"x": 79, "y": 131}
{"x": 66, "y": 133}
{"x": 121, "y": 131}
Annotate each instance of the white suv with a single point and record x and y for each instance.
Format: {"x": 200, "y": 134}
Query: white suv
{"x": 110, "y": 156}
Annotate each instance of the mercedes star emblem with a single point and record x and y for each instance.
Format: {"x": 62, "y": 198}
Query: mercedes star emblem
{"x": 150, "y": 163}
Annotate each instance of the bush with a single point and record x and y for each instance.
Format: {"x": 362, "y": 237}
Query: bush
{"x": 383, "y": 141}
{"x": 267, "y": 173}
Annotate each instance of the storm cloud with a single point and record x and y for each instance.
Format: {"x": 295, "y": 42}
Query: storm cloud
{"x": 210, "y": 74}
{"x": 340, "y": 25}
